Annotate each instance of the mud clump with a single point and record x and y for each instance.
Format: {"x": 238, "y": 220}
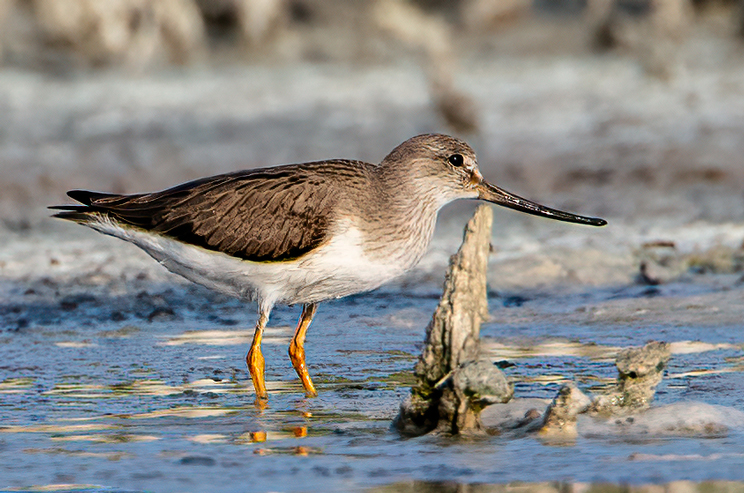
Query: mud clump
{"x": 661, "y": 262}
{"x": 454, "y": 383}
{"x": 561, "y": 415}
{"x": 556, "y": 422}
{"x": 640, "y": 371}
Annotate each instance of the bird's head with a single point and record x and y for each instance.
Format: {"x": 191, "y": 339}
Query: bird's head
{"x": 448, "y": 167}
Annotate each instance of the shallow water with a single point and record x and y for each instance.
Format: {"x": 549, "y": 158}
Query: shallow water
{"x": 115, "y": 375}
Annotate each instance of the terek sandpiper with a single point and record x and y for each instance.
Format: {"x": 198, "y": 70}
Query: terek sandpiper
{"x": 301, "y": 233}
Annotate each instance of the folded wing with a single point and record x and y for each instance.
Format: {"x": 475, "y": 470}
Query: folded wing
{"x": 265, "y": 215}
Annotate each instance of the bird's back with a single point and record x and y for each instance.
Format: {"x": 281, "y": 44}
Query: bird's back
{"x": 262, "y": 215}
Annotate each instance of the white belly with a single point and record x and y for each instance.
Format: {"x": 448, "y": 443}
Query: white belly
{"x": 337, "y": 268}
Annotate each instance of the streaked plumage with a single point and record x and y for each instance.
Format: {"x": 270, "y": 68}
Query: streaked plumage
{"x": 301, "y": 233}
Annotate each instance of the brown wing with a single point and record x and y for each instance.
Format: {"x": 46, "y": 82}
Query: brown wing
{"x": 263, "y": 215}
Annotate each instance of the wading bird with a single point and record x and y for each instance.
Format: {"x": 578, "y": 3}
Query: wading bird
{"x": 301, "y": 233}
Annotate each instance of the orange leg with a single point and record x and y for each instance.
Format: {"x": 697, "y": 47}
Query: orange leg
{"x": 255, "y": 360}
{"x": 297, "y": 348}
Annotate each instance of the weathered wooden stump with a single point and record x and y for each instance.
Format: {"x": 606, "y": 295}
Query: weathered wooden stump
{"x": 453, "y": 383}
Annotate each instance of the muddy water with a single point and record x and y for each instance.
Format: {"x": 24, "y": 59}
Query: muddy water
{"x": 117, "y": 376}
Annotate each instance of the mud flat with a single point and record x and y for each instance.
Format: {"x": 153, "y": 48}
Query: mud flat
{"x": 118, "y": 374}
{"x": 115, "y": 374}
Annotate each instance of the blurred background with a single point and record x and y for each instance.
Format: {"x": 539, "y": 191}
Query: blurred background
{"x": 632, "y": 110}
{"x": 623, "y": 108}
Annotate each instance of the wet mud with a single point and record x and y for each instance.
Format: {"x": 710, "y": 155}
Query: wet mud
{"x": 116, "y": 374}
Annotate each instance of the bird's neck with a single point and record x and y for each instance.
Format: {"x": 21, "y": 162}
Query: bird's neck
{"x": 403, "y": 218}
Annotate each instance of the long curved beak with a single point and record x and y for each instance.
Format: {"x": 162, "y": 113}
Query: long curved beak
{"x": 495, "y": 195}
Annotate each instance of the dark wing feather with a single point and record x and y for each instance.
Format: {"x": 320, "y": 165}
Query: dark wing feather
{"x": 264, "y": 215}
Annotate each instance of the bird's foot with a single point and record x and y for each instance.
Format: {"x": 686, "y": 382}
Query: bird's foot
{"x": 297, "y": 356}
{"x": 256, "y": 366}
{"x": 261, "y": 403}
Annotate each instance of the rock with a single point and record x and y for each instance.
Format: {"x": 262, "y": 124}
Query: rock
{"x": 482, "y": 383}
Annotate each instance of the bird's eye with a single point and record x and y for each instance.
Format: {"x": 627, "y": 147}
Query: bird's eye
{"x": 456, "y": 159}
